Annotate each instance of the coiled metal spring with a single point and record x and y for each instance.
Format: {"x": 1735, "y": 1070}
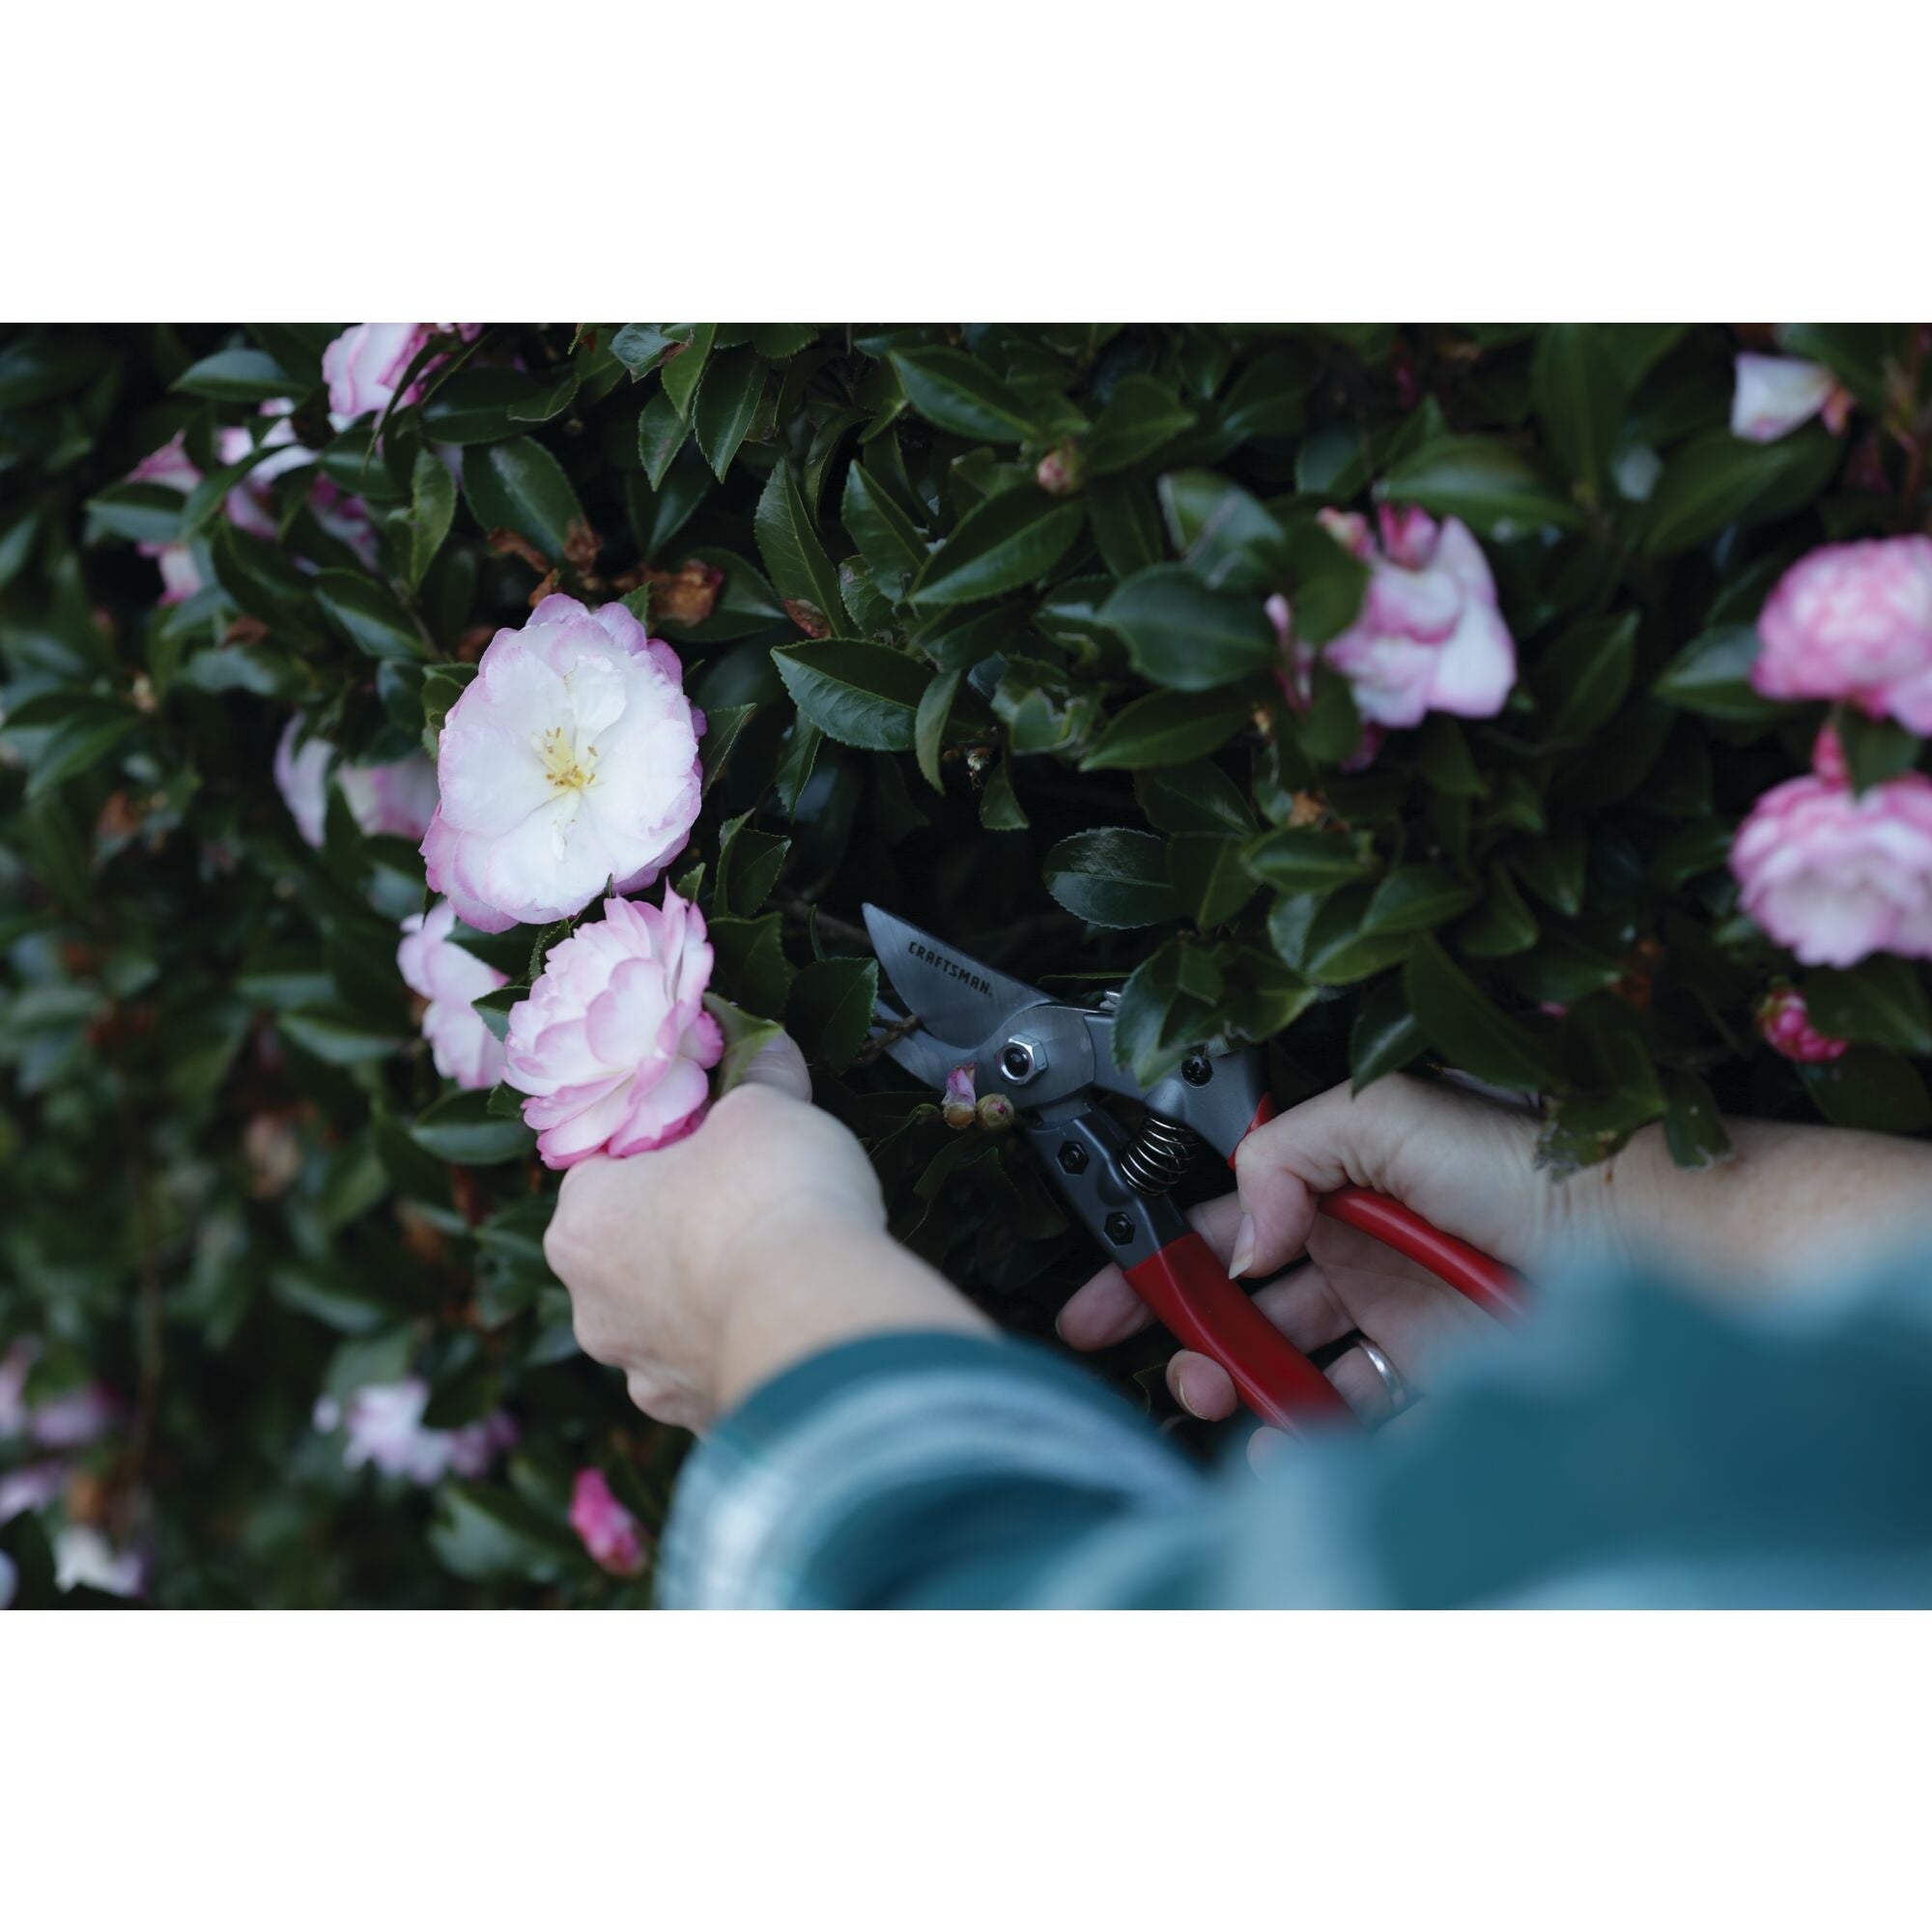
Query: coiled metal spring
{"x": 1159, "y": 1155}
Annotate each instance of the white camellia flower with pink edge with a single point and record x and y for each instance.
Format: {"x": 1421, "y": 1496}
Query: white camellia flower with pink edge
{"x": 568, "y": 767}
{"x": 613, "y": 1046}
{"x": 450, "y": 977}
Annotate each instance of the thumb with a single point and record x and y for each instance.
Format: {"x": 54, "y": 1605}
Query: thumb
{"x": 1282, "y": 1170}
{"x": 781, "y": 1064}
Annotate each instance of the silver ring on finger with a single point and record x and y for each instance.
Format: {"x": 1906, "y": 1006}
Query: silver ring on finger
{"x": 1391, "y": 1377}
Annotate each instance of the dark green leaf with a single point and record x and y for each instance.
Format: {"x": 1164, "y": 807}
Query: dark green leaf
{"x": 1711, "y": 675}
{"x": 1579, "y": 397}
{"x": 1871, "y": 1089}
{"x": 955, "y": 392}
{"x": 1416, "y": 899}
{"x": 432, "y": 511}
{"x": 1168, "y": 729}
{"x": 1719, "y": 478}
{"x": 745, "y": 1038}
{"x": 1112, "y": 877}
{"x": 830, "y": 1012}
{"x": 1502, "y": 924}
{"x": 1185, "y": 637}
{"x": 885, "y": 534}
{"x": 1466, "y": 1027}
{"x": 684, "y": 368}
{"x": 1383, "y": 1038}
{"x": 1303, "y": 860}
{"x": 461, "y": 1129}
{"x": 1000, "y": 811}
{"x": 860, "y": 693}
{"x": 1141, "y": 416}
{"x": 935, "y": 710}
{"x": 236, "y": 376}
{"x": 795, "y": 559}
{"x": 369, "y": 616}
{"x": 1486, "y": 483}
{"x": 727, "y": 405}
{"x": 1694, "y": 1129}
{"x": 1196, "y": 797}
{"x": 1001, "y": 543}
{"x": 1583, "y": 677}
{"x": 1209, "y": 880}
{"x": 520, "y": 486}
{"x": 1876, "y": 749}
{"x": 1880, "y": 1002}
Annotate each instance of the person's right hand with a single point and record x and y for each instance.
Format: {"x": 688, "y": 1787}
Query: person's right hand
{"x": 1458, "y": 1162}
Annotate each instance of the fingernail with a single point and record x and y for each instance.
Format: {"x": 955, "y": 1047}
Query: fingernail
{"x": 1264, "y": 1448}
{"x": 1243, "y": 1257}
{"x": 1181, "y": 1396}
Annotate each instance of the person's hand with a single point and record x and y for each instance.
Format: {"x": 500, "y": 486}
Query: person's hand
{"x": 1458, "y": 1162}
{"x": 703, "y": 1268}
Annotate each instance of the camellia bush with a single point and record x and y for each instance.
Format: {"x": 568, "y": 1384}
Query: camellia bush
{"x": 435, "y": 752}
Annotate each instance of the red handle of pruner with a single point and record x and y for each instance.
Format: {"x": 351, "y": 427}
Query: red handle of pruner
{"x": 1491, "y": 1286}
{"x": 1193, "y": 1299}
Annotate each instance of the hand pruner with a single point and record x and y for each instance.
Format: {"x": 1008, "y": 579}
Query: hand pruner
{"x": 1054, "y": 1060}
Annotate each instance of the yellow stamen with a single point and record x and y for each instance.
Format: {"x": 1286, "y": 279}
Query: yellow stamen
{"x": 560, "y": 761}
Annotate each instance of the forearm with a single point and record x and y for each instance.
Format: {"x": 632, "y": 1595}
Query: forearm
{"x": 1790, "y": 1201}
{"x": 816, "y": 1286}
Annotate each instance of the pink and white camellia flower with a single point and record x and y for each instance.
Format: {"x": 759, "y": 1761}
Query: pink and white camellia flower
{"x": 568, "y": 765}
{"x": 613, "y": 1046}
{"x": 382, "y": 1424}
{"x": 397, "y": 799}
{"x": 1786, "y": 1028}
{"x": 1776, "y": 393}
{"x": 1430, "y": 636}
{"x": 365, "y": 365}
{"x": 612, "y": 1535}
{"x": 450, "y": 977}
{"x": 1837, "y": 875}
{"x": 1852, "y": 622}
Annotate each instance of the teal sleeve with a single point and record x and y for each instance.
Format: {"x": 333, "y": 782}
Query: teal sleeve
{"x": 1630, "y": 1445}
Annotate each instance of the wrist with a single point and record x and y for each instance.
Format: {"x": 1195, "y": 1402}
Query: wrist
{"x": 818, "y": 1280}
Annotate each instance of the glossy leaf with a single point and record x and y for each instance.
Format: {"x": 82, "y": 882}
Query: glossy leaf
{"x": 1113, "y": 876}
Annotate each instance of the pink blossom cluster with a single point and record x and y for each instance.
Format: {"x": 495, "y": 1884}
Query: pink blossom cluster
{"x": 382, "y": 1424}
{"x": 1430, "y": 635}
{"x": 610, "y": 1532}
{"x": 396, "y": 799}
{"x": 1853, "y": 622}
{"x": 1834, "y": 874}
{"x": 250, "y": 506}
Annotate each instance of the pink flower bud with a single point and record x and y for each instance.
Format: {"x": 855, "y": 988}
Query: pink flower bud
{"x": 1828, "y": 756}
{"x": 612, "y": 1535}
{"x": 959, "y": 1107}
{"x": 1788, "y": 1028}
{"x": 1062, "y": 470}
{"x": 996, "y": 1113}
